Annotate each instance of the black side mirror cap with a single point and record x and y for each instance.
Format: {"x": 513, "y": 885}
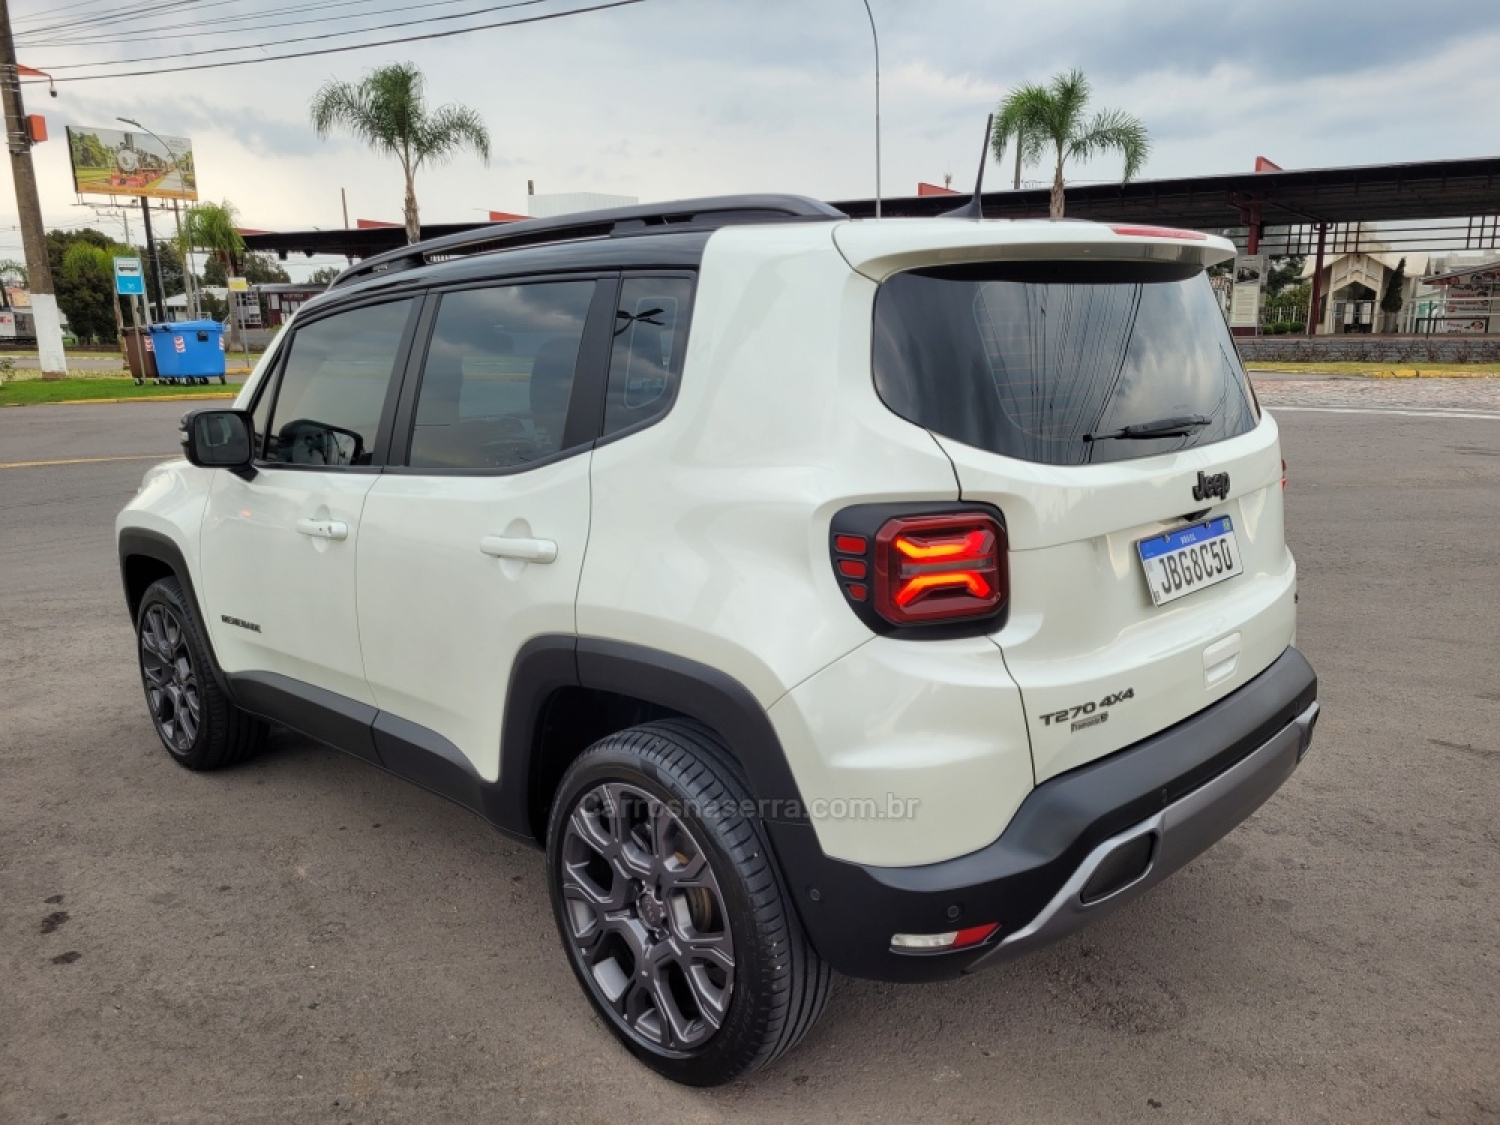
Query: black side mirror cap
{"x": 219, "y": 439}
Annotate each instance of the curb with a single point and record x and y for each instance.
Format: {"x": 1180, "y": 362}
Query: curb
{"x": 1398, "y": 373}
{"x": 108, "y": 401}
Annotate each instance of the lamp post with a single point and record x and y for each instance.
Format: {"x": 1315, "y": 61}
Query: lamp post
{"x": 161, "y": 292}
{"x": 876, "y": 38}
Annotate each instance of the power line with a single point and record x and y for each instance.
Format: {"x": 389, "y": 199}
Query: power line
{"x": 348, "y": 47}
{"x": 308, "y": 38}
{"x": 109, "y": 38}
{"x": 117, "y": 16}
{"x": 65, "y": 8}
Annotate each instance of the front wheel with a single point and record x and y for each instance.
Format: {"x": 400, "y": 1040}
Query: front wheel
{"x": 196, "y": 722}
{"x": 671, "y": 909}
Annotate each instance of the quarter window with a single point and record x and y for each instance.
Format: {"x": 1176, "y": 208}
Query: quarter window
{"x": 499, "y": 375}
{"x": 646, "y": 360}
{"x": 333, "y": 387}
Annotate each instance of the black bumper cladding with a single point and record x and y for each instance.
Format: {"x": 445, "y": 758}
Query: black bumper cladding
{"x": 1080, "y": 844}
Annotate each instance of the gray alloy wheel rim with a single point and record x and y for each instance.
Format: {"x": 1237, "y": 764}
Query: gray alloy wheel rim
{"x": 645, "y": 918}
{"x": 171, "y": 680}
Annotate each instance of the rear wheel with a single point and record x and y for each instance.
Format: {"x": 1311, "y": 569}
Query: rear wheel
{"x": 196, "y": 722}
{"x": 671, "y": 909}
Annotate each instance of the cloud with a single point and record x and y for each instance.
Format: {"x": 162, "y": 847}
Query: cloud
{"x": 674, "y": 98}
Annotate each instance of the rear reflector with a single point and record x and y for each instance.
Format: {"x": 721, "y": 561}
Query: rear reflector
{"x": 943, "y": 943}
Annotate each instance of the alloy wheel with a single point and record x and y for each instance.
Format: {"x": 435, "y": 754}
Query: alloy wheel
{"x": 646, "y": 918}
{"x": 171, "y": 680}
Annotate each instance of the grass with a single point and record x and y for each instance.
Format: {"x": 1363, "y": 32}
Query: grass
{"x": 1383, "y": 371}
{"x": 33, "y": 392}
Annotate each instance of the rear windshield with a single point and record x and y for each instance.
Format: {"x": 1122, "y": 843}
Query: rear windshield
{"x": 1043, "y": 361}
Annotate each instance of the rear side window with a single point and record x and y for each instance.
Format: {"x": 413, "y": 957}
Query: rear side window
{"x": 499, "y": 375}
{"x": 333, "y": 387}
{"x": 1042, "y": 361}
{"x": 650, "y": 330}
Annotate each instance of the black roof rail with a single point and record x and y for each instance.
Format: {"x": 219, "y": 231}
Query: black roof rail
{"x": 686, "y": 214}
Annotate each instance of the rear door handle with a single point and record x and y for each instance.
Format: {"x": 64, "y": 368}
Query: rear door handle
{"x": 324, "y": 529}
{"x": 512, "y": 547}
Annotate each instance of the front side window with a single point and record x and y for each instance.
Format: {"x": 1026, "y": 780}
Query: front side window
{"x": 499, "y": 375}
{"x": 650, "y": 337}
{"x": 1061, "y": 363}
{"x": 333, "y": 387}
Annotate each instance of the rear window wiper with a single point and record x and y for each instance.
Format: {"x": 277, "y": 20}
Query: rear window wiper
{"x": 1181, "y": 426}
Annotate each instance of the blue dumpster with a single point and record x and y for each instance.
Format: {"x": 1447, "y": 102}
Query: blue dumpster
{"x": 189, "y": 351}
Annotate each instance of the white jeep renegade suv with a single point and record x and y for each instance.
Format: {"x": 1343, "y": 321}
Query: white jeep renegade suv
{"x": 885, "y": 597}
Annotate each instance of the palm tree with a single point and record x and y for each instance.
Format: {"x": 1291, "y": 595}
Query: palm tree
{"x": 214, "y": 227}
{"x": 387, "y": 110}
{"x": 1050, "y": 121}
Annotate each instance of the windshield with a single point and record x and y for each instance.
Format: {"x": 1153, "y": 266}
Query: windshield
{"x": 1061, "y": 363}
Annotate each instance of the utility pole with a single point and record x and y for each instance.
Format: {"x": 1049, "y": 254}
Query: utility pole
{"x": 53, "y": 362}
{"x": 161, "y": 290}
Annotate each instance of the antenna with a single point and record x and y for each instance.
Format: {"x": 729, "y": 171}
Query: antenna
{"x": 974, "y": 209}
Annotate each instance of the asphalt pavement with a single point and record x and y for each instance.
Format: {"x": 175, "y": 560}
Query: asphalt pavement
{"x": 304, "y": 939}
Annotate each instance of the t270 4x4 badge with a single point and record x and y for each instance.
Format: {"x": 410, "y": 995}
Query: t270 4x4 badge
{"x": 1087, "y": 714}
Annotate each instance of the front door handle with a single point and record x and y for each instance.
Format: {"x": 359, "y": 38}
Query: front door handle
{"x": 324, "y": 529}
{"x": 514, "y": 547}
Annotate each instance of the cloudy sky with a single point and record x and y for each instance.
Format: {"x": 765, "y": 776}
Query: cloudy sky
{"x": 674, "y": 98}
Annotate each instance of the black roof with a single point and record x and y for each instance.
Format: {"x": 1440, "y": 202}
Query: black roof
{"x": 1435, "y": 189}
{"x": 689, "y": 215}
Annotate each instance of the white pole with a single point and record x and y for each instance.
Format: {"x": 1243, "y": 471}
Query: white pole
{"x": 876, "y": 38}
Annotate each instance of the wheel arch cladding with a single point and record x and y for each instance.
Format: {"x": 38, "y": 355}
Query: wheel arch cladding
{"x": 147, "y": 557}
{"x": 536, "y": 751}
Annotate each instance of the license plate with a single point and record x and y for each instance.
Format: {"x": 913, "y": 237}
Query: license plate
{"x": 1189, "y": 559}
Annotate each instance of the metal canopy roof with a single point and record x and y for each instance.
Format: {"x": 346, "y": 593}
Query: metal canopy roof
{"x": 1438, "y": 189}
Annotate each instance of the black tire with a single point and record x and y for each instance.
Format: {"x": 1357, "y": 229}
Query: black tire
{"x": 196, "y": 722}
{"x": 778, "y": 985}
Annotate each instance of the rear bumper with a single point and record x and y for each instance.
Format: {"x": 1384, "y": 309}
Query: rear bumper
{"x": 1158, "y": 803}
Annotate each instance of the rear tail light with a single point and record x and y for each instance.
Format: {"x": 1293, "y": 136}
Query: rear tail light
{"x": 1283, "y": 474}
{"x": 926, "y": 569}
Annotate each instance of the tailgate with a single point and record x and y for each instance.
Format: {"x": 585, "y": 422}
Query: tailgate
{"x": 1098, "y": 404}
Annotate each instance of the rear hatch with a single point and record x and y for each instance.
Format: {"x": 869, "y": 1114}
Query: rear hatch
{"x": 1083, "y": 381}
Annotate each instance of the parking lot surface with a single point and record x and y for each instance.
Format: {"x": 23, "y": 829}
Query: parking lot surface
{"x": 304, "y": 939}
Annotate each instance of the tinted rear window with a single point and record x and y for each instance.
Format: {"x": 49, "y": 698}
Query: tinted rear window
{"x": 1028, "y": 359}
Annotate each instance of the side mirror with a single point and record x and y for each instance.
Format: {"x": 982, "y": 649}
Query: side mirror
{"x": 218, "y": 439}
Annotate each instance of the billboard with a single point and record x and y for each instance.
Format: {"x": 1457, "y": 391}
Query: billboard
{"x": 131, "y": 162}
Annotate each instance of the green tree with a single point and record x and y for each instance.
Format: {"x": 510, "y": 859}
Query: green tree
{"x": 387, "y": 109}
{"x": 1394, "y": 296}
{"x": 214, "y": 229}
{"x": 1051, "y": 122}
{"x": 86, "y": 291}
{"x": 324, "y": 275}
{"x": 13, "y": 272}
{"x": 1281, "y": 273}
{"x": 1395, "y": 285}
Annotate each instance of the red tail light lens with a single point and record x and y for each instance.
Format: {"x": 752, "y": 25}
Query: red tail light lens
{"x": 939, "y": 568}
{"x": 1283, "y": 474}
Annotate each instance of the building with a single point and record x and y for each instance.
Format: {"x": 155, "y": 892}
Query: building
{"x": 280, "y": 299}
{"x": 1462, "y": 297}
{"x": 1353, "y": 285}
{"x": 177, "y": 304}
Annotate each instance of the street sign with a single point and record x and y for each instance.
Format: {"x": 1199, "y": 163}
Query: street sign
{"x": 130, "y": 279}
{"x": 239, "y": 285}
